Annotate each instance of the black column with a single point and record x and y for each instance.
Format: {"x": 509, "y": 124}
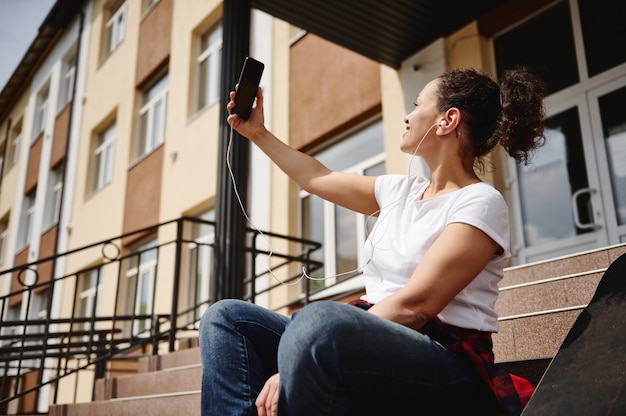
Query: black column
{"x": 230, "y": 258}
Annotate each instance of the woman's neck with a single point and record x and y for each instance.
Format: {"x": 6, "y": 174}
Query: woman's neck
{"x": 443, "y": 181}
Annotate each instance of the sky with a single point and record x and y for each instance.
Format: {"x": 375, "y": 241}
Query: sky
{"x": 19, "y": 23}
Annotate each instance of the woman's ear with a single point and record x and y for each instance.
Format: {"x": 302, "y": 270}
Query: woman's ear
{"x": 452, "y": 117}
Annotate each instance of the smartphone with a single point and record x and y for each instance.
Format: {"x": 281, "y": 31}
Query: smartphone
{"x": 248, "y": 85}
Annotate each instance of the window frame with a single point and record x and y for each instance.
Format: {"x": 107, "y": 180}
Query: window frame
{"x": 142, "y": 268}
{"x": 42, "y": 107}
{"x": 331, "y": 276}
{"x": 14, "y": 146}
{"x": 148, "y": 5}
{"x": 147, "y": 139}
{"x": 68, "y": 73}
{"x": 210, "y": 57}
{"x": 115, "y": 27}
{"x": 87, "y": 300}
{"x": 200, "y": 262}
{"x": 26, "y": 218}
{"x": 54, "y": 193}
{"x": 103, "y": 158}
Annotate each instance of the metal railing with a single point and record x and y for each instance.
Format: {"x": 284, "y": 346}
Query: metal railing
{"x": 59, "y": 335}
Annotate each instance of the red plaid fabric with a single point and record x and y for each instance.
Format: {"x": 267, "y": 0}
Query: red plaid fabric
{"x": 511, "y": 392}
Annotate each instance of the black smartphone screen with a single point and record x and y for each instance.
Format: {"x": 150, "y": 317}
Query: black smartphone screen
{"x": 248, "y": 84}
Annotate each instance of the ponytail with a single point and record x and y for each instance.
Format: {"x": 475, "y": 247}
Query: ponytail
{"x": 520, "y": 126}
{"x": 510, "y": 113}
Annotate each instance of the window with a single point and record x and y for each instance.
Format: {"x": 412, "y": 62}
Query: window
{"x": 148, "y": 5}
{"x": 38, "y": 310}
{"x": 548, "y": 43}
{"x": 209, "y": 62}
{"x": 41, "y": 111}
{"x": 68, "y": 72}
{"x": 140, "y": 281}
{"x": 568, "y": 199}
{"x": 603, "y": 28}
{"x": 341, "y": 231}
{"x": 102, "y": 166}
{"x": 12, "y": 313}
{"x": 114, "y": 28}
{"x": 152, "y": 117}
{"x": 53, "y": 196}
{"x": 544, "y": 43}
{"x": 14, "y": 146}
{"x": 4, "y": 232}
{"x": 87, "y": 299}
{"x": 26, "y": 223}
{"x": 200, "y": 255}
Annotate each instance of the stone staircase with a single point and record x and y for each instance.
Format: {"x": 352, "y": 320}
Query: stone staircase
{"x": 538, "y": 304}
{"x": 164, "y": 385}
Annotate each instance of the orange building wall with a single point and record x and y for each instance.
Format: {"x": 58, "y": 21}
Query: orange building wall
{"x": 331, "y": 89}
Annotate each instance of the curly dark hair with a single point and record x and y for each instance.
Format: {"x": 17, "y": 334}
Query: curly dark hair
{"x": 510, "y": 113}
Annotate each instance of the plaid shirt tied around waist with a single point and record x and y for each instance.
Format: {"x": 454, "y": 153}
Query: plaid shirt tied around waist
{"x": 511, "y": 392}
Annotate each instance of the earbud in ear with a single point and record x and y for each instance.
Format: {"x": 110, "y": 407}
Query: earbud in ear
{"x": 443, "y": 123}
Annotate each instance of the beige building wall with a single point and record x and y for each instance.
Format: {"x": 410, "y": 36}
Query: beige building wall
{"x": 11, "y": 185}
{"x": 191, "y": 144}
{"x": 190, "y": 150}
{"x": 110, "y": 95}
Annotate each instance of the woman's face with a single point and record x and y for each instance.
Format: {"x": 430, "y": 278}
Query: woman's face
{"x": 422, "y": 121}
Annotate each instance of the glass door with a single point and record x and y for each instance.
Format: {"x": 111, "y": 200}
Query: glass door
{"x": 572, "y": 196}
{"x": 609, "y": 127}
{"x": 559, "y": 190}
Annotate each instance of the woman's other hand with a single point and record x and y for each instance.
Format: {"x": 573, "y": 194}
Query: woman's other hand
{"x": 267, "y": 402}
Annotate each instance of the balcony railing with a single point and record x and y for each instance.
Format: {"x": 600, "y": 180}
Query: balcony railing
{"x": 108, "y": 302}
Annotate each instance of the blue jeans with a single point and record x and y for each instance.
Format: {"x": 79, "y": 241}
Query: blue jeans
{"x": 333, "y": 359}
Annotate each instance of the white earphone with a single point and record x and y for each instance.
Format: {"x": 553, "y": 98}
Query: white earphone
{"x": 443, "y": 123}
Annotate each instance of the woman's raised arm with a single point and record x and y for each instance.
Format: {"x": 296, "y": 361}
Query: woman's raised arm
{"x": 355, "y": 192}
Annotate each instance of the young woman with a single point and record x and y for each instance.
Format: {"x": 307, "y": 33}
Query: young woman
{"x": 419, "y": 340}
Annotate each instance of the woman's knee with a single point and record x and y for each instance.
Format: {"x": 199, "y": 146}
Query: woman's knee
{"x": 317, "y": 327}
{"x": 221, "y": 312}
{"x": 324, "y": 316}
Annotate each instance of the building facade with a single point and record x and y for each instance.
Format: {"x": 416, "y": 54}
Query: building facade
{"x": 116, "y": 130}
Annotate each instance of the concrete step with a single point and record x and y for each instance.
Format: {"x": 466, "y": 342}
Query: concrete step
{"x": 531, "y": 337}
{"x": 179, "y": 358}
{"x": 556, "y": 293}
{"x": 561, "y": 266}
{"x": 539, "y": 302}
{"x": 187, "y": 403}
{"x": 171, "y": 380}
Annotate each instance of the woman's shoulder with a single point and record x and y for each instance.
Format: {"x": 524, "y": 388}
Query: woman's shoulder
{"x": 478, "y": 189}
{"x": 393, "y": 184}
{"x": 481, "y": 194}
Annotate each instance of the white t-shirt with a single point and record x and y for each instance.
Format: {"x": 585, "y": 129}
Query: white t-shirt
{"x": 406, "y": 228}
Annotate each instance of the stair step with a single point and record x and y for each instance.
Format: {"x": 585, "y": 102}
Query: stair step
{"x": 175, "y": 380}
{"x": 533, "y": 336}
{"x": 539, "y": 302}
{"x": 184, "y": 357}
{"x": 184, "y": 403}
{"x": 556, "y": 293}
{"x": 564, "y": 266}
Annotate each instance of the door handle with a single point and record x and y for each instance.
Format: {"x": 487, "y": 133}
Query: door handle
{"x": 579, "y": 224}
